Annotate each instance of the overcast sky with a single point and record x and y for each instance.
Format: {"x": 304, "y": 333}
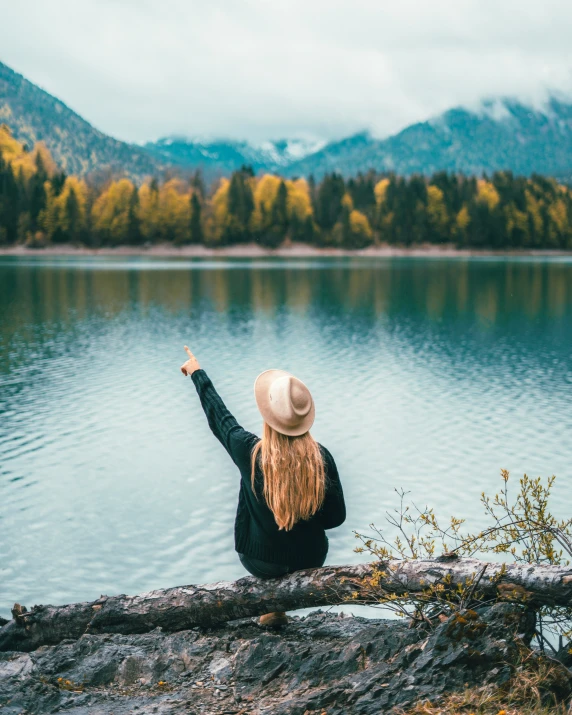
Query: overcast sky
{"x": 260, "y": 69}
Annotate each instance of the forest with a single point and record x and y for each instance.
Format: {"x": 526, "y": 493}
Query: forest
{"x": 40, "y": 205}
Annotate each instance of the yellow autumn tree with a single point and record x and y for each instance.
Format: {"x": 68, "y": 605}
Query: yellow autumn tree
{"x": 22, "y": 160}
{"x": 353, "y": 230}
{"x": 462, "y": 221}
{"x": 10, "y": 148}
{"x": 216, "y": 221}
{"x": 558, "y": 227}
{"x": 534, "y": 211}
{"x": 174, "y": 212}
{"x": 148, "y": 212}
{"x": 112, "y": 212}
{"x": 437, "y": 213}
{"x": 299, "y": 201}
{"x": 65, "y": 215}
{"x": 347, "y": 202}
{"x": 380, "y": 191}
{"x": 359, "y": 226}
{"x": 516, "y": 223}
{"x": 487, "y": 194}
{"x": 265, "y": 192}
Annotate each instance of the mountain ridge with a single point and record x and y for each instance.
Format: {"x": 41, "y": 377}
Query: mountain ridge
{"x": 523, "y": 140}
{"x": 499, "y": 134}
{"x": 77, "y": 147}
{"x": 226, "y": 155}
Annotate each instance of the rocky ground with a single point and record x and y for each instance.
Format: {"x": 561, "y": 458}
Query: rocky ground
{"x": 324, "y": 663}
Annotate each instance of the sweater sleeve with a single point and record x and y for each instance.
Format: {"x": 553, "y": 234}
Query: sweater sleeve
{"x": 333, "y": 511}
{"x": 236, "y": 440}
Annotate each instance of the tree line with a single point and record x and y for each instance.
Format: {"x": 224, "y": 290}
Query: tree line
{"x": 41, "y": 205}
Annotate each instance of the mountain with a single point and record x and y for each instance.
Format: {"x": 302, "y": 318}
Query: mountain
{"x": 77, "y": 147}
{"x": 501, "y": 134}
{"x": 223, "y": 156}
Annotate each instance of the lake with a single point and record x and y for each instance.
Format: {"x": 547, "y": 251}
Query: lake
{"x": 428, "y": 375}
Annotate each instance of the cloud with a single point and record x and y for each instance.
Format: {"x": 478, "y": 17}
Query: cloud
{"x": 258, "y": 69}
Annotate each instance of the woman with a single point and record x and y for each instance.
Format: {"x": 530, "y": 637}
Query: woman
{"x": 290, "y": 491}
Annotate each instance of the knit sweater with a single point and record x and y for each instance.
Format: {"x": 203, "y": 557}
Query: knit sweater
{"x": 256, "y": 533}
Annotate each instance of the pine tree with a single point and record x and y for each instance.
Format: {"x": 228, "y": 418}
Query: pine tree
{"x": 133, "y": 229}
{"x": 9, "y": 202}
{"x": 312, "y": 192}
{"x": 310, "y": 232}
{"x": 57, "y": 182}
{"x": 280, "y": 208}
{"x": 196, "y": 227}
{"x": 240, "y": 205}
{"x": 329, "y": 201}
{"x": 198, "y": 183}
{"x": 36, "y": 190}
{"x": 72, "y": 217}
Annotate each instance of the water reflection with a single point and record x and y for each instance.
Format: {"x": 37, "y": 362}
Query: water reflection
{"x": 487, "y": 290}
{"x": 428, "y": 375}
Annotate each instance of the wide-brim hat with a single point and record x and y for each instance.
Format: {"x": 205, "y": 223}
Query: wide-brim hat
{"x": 284, "y": 402}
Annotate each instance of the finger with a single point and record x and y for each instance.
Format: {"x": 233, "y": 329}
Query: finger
{"x": 189, "y": 353}
{"x": 183, "y": 370}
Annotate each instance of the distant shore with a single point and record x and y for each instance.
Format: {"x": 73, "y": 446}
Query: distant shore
{"x": 253, "y": 250}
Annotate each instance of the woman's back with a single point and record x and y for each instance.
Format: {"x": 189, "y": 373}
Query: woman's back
{"x": 290, "y": 490}
{"x": 257, "y": 533}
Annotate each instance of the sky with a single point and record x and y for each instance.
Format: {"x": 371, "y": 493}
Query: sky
{"x": 263, "y": 69}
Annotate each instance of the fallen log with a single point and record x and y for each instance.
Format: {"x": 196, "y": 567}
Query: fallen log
{"x": 185, "y": 607}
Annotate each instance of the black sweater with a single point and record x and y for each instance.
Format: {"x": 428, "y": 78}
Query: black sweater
{"x": 256, "y": 533}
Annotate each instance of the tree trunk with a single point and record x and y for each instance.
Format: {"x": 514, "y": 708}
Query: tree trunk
{"x": 185, "y": 607}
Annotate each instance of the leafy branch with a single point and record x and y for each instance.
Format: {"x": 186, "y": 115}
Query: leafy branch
{"x": 521, "y": 528}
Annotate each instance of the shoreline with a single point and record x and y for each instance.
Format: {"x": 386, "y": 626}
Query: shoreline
{"x": 253, "y": 250}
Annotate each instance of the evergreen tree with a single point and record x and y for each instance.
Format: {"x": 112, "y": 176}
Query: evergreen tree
{"x": 196, "y": 227}
{"x": 310, "y": 233}
{"x": 280, "y": 208}
{"x": 247, "y": 171}
{"x": 361, "y": 189}
{"x": 24, "y": 230}
{"x": 36, "y": 189}
{"x": 240, "y": 207}
{"x": 198, "y": 183}
{"x": 133, "y": 229}
{"x": 58, "y": 181}
{"x": 312, "y": 192}
{"x": 275, "y": 234}
{"x": 329, "y": 201}
{"x": 10, "y": 201}
{"x": 72, "y": 217}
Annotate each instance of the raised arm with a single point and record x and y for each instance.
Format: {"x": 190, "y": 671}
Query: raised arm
{"x": 235, "y": 439}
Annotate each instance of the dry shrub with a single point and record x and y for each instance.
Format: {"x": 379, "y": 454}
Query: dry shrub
{"x": 539, "y": 686}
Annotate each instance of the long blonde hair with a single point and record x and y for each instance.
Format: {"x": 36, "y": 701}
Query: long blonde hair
{"x": 294, "y": 475}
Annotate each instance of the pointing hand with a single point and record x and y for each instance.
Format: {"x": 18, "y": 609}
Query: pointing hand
{"x": 191, "y": 365}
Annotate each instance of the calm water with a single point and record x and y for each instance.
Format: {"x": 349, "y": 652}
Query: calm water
{"x": 428, "y": 375}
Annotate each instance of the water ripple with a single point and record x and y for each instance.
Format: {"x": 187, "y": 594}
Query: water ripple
{"x": 427, "y": 376}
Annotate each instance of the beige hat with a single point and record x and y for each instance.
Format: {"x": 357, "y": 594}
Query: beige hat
{"x": 284, "y": 402}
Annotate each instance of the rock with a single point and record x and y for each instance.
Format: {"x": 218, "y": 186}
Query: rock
{"x": 18, "y": 665}
{"x": 221, "y": 669}
{"x": 321, "y": 662}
